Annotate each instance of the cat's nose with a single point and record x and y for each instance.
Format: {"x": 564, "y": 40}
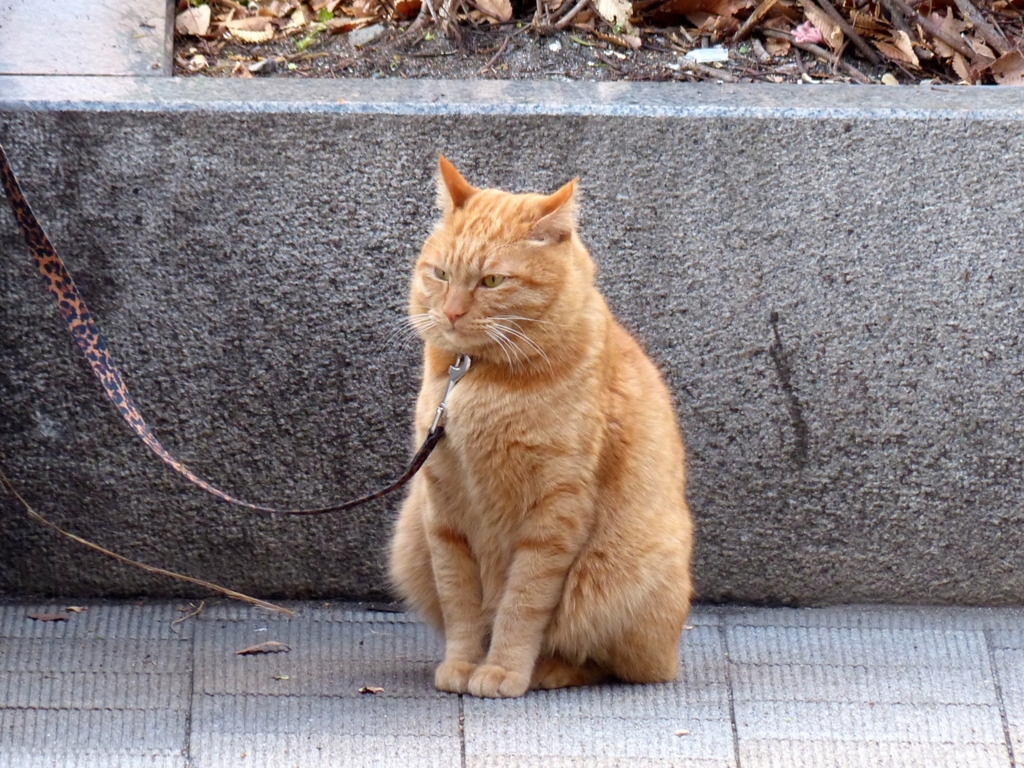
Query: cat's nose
{"x": 453, "y": 315}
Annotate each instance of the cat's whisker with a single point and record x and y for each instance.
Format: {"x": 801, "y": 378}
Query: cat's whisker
{"x": 498, "y": 339}
{"x": 530, "y": 319}
{"x": 516, "y": 333}
{"x": 513, "y": 346}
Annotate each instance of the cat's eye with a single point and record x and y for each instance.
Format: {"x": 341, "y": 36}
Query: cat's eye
{"x": 440, "y": 274}
{"x": 493, "y": 281}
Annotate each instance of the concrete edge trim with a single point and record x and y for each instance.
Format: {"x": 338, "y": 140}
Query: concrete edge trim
{"x": 511, "y": 98}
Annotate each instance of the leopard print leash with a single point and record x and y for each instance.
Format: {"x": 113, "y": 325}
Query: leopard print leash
{"x": 79, "y": 322}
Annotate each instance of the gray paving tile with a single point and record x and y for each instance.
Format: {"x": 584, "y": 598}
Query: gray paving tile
{"x": 307, "y": 731}
{"x": 91, "y": 760}
{"x": 104, "y": 621}
{"x": 95, "y": 690}
{"x": 854, "y": 646}
{"x": 817, "y": 754}
{"x": 591, "y": 761}
{"x": 1009, "y": 664}
{"x": 840, "y": 722}
{"x": 1008, "y": 638}
{"x": 64, "y": 37}
{"x": 969, "y": 684}
{"x": 614, "y": 724}
{"x": 564, "y": 724}
{"x": 66, "y": 655}
{"x": 878, "y": 617}
{"x": 327, "y": 658}
{"x": 68, "y": 732}
{"x": 307, "y": 611}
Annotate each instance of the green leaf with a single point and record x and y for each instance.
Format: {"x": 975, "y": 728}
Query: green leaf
{"x": 324, "y": 15}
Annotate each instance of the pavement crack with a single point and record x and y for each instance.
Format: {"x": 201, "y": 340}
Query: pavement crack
{"x": 780, "y": 360}
{"x": 990, "y": 647}
{"x": 732, "y": 701}
{"x": 186, "y": 747}
{"x": 462, "y": 729}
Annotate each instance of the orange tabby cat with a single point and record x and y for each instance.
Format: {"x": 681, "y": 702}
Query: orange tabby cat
{"x": 548, "y": 535}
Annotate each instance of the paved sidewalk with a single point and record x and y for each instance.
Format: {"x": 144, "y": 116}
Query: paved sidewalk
{"x": 122, "y": 684}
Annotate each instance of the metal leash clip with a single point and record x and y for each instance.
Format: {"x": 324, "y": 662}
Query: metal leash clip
{"x": 455, "y": 372}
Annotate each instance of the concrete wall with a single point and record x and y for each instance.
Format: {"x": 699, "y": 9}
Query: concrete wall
{"x": 829, "y": 277}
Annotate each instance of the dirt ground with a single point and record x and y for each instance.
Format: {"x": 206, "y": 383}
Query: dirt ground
{"x": 863, "y": 41}
{"x": 509, "y": 52}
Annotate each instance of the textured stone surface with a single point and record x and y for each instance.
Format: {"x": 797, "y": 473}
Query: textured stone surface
{"x": 67, "y": 37}
{"x": 846, "y": 687}
{"x": 829, "y": 278}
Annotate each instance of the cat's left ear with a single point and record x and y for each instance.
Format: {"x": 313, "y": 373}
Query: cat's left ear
{"x": 557, "y": 215}
{"x": 452, "y": 190}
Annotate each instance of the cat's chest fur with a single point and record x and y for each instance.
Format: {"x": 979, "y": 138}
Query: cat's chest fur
{"x": 502, "y": 451}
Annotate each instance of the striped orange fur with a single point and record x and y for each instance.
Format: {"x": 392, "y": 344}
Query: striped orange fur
{"x": 548, "y": 535}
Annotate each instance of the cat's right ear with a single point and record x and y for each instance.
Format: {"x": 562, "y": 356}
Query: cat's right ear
{"x": 452, "y": 190}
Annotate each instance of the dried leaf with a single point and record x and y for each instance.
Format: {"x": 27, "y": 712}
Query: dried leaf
{"x": 48, "y": 616}
{"x": 282, "y": 677}
{"x": 193, "y": 21}
{"x": 867, "y": 25}
{"x": 682, "y": 732}
{"x": 714, "y": 7}
{"x": 277, "y": 8}
{"x": 830, "y": 31}
{"x": 961, "y": 68}
{"x": 501, "y": 10}
{"x": 75, "y": 608}
{"x": 270, "y": 646}
{"x": 406, "y": 9}
{"x": 1008, "y": 69}
{"x": 902, "y": 41}
{"x": 889, "y": 79}
{"x": 615, "y": 11}
{"x": 366, "y": 8}
{"x": 337, "y": 26}
{"x": 371, "y": 689}
{"x": 978, "y": 44}
{"x": 777, "y": 47}
{"x": 301, "y": 17}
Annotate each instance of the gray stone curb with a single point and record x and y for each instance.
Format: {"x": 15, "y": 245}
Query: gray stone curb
{"x": 829, "y": 276}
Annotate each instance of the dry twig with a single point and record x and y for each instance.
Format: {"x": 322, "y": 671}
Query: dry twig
{"x": 497, "y": 55}
{"x": 866, "y": 50}
{"x": 992, "y": 35}
{"x": 9, "y": 487}
{"x": 935, "y": 30}
{"x": 748, "y": 25}
{"x": 566, "y": 20}
{"x": 821, "y": 53}
{"x": 705, "y": 71}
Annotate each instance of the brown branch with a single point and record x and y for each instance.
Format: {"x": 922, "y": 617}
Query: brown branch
{"x": 705, "y": 71}
{"x": 566, "y": 20}
{"x": 866, "y": 50}
{"x": 496, "y": 56}
{"x": 992, "y": 35}
{"x": 9, "y": 487}
{"x": 898, "y": 18}
{"x": 936, "y": 31}
{"x": 821, "y": 53}
{"x": 748, "y": 25}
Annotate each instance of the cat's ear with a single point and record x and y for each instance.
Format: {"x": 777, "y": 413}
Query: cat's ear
{"x": 452, "y": 190}
{"x": 557, "y": 215}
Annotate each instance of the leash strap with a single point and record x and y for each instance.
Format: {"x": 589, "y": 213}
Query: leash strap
{"x": 80, "y": 324}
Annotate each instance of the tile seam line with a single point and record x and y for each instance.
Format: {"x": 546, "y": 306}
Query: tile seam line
{"x": 186, "y": 747}
{"x": 723, "y": 630}
{"x": 998, "y": 686}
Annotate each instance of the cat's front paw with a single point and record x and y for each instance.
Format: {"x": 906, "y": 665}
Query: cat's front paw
{"x": 453, "y": 676}
{"x": 494, "y": 682}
